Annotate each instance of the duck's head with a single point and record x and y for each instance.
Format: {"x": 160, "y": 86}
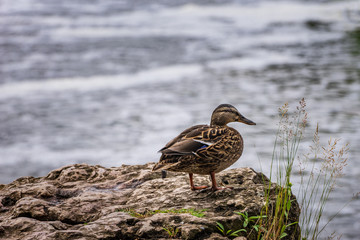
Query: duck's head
{"x": 226, "y": 113}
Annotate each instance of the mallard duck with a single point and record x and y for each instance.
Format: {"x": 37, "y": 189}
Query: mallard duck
{"x": 204, "y": 149}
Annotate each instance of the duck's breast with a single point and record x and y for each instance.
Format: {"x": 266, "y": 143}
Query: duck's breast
{"x": 230, "y": 149}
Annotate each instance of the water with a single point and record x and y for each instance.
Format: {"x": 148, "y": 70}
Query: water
{"x": 110, "y": 82}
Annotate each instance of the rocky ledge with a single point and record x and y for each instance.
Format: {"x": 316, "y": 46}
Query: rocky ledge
{"x": 129, "y": 202}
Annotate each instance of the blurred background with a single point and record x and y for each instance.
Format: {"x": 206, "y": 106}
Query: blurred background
{"x": 110, "y": 82}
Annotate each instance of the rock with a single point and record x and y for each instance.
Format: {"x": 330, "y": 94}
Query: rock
{"x": 130, "y": 202}
{"x": 240, "y": 238}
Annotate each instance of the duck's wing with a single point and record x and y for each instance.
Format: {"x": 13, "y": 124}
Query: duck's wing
{"x": 189, "y": 141}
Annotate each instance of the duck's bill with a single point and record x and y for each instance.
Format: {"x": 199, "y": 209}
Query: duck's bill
{"x": 246, "y": 121}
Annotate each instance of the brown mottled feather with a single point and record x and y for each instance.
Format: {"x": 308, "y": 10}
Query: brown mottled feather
{"x": 184, "y": 153}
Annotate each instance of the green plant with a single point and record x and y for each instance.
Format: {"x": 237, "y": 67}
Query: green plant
{"x": 171, "y": 231}
{"x": 136, "y": 214}
{"x": 314, "y": 189}
{"x": 248, "y": 220}
{"x": 197, "y": 213}
{"x": 228, "y": 233}
{"x": 288, "y": 138}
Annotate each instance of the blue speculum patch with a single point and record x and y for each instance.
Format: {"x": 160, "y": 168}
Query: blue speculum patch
{"x": 203, "y": 146}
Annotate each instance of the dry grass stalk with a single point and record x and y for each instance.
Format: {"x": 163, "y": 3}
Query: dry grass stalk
{"x": 315, "y": 186}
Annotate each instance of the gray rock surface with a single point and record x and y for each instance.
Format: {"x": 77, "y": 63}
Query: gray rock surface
{"x": 92, "y": 202}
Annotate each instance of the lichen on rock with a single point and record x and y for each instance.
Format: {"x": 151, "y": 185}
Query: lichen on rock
{"x": 129, "y": 202}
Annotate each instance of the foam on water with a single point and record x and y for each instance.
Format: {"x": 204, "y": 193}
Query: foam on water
{"x": 101, "y": 82}
{"x": 199, "y": 21}
{"x": 258, "y": 59}
{"x": 156, "y": 75}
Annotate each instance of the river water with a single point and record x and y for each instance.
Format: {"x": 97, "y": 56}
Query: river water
{"x": 110, "y": 82}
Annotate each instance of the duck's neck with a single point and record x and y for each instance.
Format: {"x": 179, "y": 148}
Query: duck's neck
{"x": 217, "y": 124}
{"x": 218, "y": 120}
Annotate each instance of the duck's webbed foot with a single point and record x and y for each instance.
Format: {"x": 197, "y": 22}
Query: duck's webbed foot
{"x": 192, "y": 186}
{"x": 214, "y": 186}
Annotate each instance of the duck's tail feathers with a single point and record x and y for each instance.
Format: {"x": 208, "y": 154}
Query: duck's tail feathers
{"x": 164, "y": 165}
{"x": 158, "y": 166}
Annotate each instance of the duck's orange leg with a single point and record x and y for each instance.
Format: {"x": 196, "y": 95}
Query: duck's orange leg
{"x": 214, "y": 185}
{"x": 192, "y": 186}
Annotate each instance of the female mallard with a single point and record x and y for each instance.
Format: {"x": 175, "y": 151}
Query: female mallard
{"x": 204, "y": 149}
